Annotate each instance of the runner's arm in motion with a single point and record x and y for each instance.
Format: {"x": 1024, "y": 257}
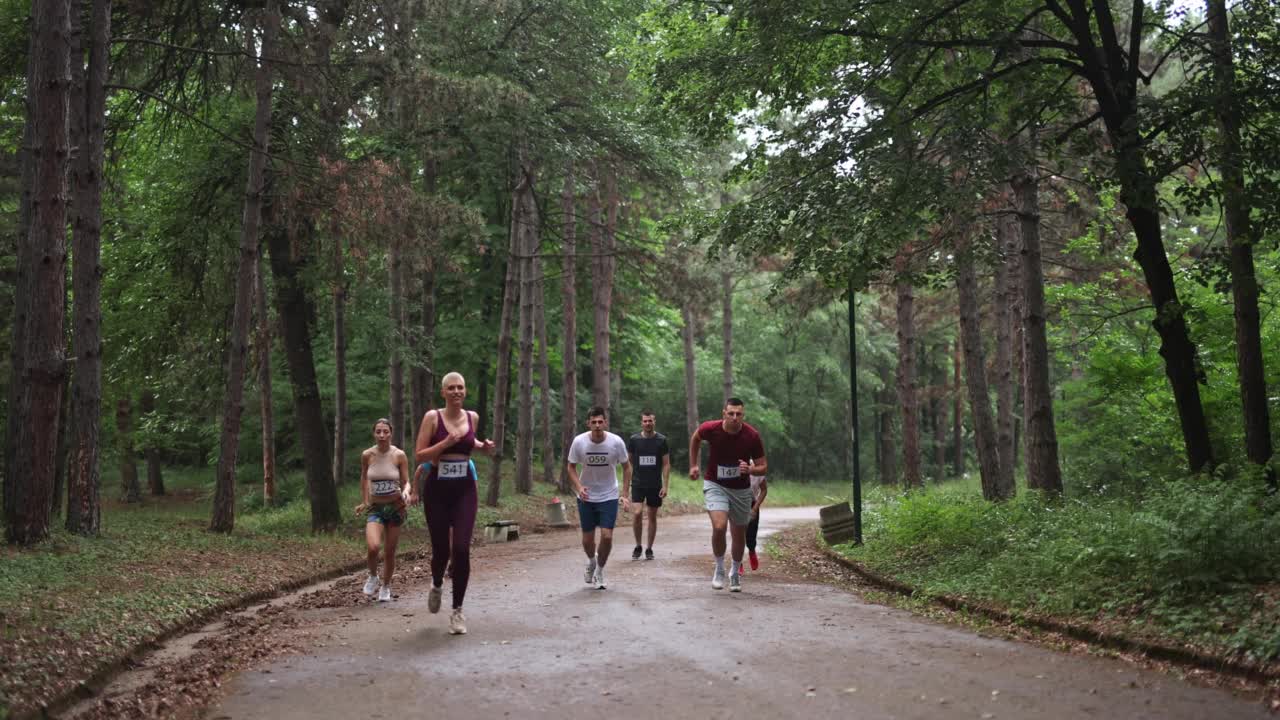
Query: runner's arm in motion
{"x": 695, "y": 447}
{"x": 364, "y": 483}
{"x": 485, "y": 446}
{"x": 626, "y": 484}
{"x": 760, "y": 466}
{"x": 578, "y": 489}
{"x": 402, "y": 463}
{"x": 666, "y": 475}
{"x": 764, "y": 492}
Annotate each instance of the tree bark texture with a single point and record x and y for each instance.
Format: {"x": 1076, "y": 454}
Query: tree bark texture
{"x": 21, "y": 285}
{"x": 957, "y": 414}
{"x": 89, "y": 117}
{"x": 690, "y": 370}
{"x": 395, "y": 362}
{"x": 726, "y": 335}
{"x": 129, "y": 490}
{"x": 1004, "y": 321}
{"x": 544, "y": 369}
{"x": 155, "y": 472}
{"x": 602, "y": 269}
{"x": 975, "y": 366}
{"x": 907, "y": 398}
{"x": 266, "y": 401}
{"x": 502, "y": 379}
{"x": 1041, "y": 436}
{"x": 525, "y": 224}
{"x": 939, "y": 404}
{"x": 340, "y": 419}
{"x": 569, "y": 340}
{"x": 224, "y": 494}
{"x": 295, "y": 310}
{"x": 43, "y": 367}
{"x": 886, "y": 448}
{"x": 1241, "y": 237}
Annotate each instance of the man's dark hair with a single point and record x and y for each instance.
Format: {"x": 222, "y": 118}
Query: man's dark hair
{"x": 733, "y": 401}
{"x": 596, "y": 411}
{"x": 645, "y": 411}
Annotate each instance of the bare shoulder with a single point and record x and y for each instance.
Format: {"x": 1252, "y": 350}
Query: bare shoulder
{"x": 475, "y": 416}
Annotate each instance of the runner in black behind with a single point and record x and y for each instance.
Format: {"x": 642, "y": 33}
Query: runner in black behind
{"x": 651, "y": 476}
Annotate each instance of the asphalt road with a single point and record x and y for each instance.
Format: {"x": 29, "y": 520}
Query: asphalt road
{"x": 660, "y": 642}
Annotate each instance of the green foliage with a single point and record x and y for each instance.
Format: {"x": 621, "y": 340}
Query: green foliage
{"x": 1175, "y": 558}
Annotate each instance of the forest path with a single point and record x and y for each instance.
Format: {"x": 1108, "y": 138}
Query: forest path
{"x": 659, "y": 642}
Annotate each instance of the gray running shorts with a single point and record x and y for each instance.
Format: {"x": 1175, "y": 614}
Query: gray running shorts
{"x": 735, "y": 501}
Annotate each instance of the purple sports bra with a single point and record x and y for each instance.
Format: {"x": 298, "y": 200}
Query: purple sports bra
{"x": 463, "y": 446}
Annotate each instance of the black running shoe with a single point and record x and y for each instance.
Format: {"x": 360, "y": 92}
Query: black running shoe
{"x": 635, "y": 554}
{"x": 648, "y": 553}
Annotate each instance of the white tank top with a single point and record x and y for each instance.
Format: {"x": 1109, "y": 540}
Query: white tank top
{"x": 383, "y": 474}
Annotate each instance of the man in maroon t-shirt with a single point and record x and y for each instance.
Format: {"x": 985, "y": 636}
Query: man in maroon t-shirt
{"x": 726, "y": 486}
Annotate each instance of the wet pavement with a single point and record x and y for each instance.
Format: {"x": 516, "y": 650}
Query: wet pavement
{"x": 660, "y": 642}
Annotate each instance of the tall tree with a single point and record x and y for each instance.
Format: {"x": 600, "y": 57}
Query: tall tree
{"x": 525, "y": 225}
{"x": 1043, "y": 471}
{"x": 151, "y": 450}
{"x": 43, "y": 366}
{"x": 569, "y": 321}
{"x": 690, "y": 368}
{"x": 907, "y": 397}
{"x": 224, "y": 496}
{"x": 726, "y": 335}
{"x": 548, "y": 453}
{"x": 88, "y": 120}
{"x": 502, "y": 377}
{"x": 1006, "y": 281}
{"x": 994, "y": 486}
{"x": 395, "y": 362}
{"x": 130, "y": 492}
{"x": 602, "y": 270}
{"x": 1241, "y": 237}
{"x": 262, "y": 343}
{"x": 340, "y": 426}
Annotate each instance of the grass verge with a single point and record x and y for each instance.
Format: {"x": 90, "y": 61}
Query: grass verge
{"x": 1193, "y": 563}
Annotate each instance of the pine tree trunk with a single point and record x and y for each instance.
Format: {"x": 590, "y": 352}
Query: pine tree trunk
{"x": 544, "y": 370}
{"x": 690, "y": 371}
{"x": 43, "y": 366}
{"x": 940, "y": 416}
{"x": 975, "y": 366}
{"x": 957, "y": 414}
{"x": 1041, "y": 437}
{"x": 266, "y": 400}
{"x": 89, "y": 116}
{"x": 339, "y": 362}
{"x": 887, "y": 469}
{"x": 1241, "y": 237}
{"x": 294, "y": 308}
{"x": 21, "y": 285}
{"x": 224, "y": 496}
{"x": 569, "y": 341}
{"x": 155, "y": 473}
{"x": 602, "y": 268}
{"x": 525, "y": 221}
{"x": 395, "y": 363}
{"x": 1004, "y": 305}
{"x": 129, "y": 490}
{"x": 907, "y": 386}
{"x": 726, "y": 336}
{"x": 502, "y": 379}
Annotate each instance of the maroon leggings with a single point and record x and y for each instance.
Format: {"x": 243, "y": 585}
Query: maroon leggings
{"x": 451, "y": 505}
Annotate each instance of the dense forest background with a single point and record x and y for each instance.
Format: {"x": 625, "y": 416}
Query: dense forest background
{"x": 285, "y": 220}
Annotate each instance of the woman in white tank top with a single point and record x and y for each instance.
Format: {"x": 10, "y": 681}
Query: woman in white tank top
{"x": 384, "y": 475}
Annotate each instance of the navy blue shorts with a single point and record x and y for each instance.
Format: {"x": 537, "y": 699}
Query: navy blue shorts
{"x": 592, "y": 515}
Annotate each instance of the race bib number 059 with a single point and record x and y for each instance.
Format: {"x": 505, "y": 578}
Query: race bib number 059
{"x": 453, "y": 469}
{"x": 597, "y": 458}
{"x": 728, "y": 472}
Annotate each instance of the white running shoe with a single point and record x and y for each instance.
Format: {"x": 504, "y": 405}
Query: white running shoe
{"x": 457, "y": 623}
{"x": 600, "y": 584}
{"x": 735, "y": 582}
{"x": 717, "y": 580}
{"x": 590, "y": 576}
{"x": 371, "y": 585}
{"x": 433, "y": 599}
{"x": 384, "y": 595}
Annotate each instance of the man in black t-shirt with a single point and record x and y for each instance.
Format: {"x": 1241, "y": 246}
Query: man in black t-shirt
{"x": 650, "y": 460}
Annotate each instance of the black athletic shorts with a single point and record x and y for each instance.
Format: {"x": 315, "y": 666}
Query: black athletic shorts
{"x": 648, "y": 495}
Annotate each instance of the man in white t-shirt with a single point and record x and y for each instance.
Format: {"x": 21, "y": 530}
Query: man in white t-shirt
{"x": 599, "y": 452}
